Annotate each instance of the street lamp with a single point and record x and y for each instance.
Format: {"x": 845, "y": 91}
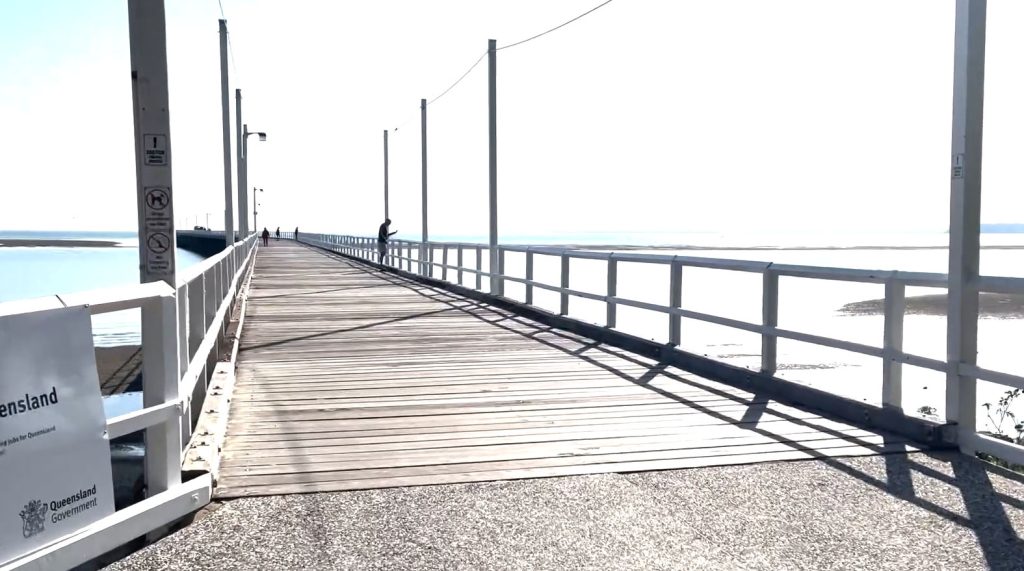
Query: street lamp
{"x": 243, "y": 174}
{"x": 255, "y": 205}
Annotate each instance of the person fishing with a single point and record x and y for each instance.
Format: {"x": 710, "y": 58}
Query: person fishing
{"x": 382, "y": 239}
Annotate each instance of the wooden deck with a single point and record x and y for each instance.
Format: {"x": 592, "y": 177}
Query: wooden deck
{"x": 353, "y": 378}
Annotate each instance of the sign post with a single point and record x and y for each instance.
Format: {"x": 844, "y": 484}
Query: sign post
{"x": 157, "y": 241}
{"x": 54, "y": 453}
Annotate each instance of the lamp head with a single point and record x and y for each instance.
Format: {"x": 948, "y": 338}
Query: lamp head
{"x": 263, "y": 136}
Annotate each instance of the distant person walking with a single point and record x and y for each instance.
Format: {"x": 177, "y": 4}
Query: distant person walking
{"x": 278, "y": 233}
{"x": 382, "y": 239}
{"x": 266, "y": 236}
{"x": 296, "y": 233}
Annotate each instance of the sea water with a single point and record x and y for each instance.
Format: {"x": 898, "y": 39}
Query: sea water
{"x": 27, "y": 272}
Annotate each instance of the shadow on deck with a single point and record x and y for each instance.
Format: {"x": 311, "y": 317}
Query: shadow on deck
{"x": 350, "y": 378}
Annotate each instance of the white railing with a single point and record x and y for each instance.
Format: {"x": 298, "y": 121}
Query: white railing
{"x": 181, "y": 332}
{"x": 419, "y": 259}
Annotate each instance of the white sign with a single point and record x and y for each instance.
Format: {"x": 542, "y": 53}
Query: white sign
{"x": 156, "y": 210}
{"x": 55, "y": 471}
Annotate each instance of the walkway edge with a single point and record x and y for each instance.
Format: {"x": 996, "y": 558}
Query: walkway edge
{"x": 935, "y": 435}
{"x": 204, "y": 449}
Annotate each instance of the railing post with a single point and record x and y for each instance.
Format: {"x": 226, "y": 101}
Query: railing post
{"x": 209, "y": 293}
{"x": 892, "y": 368}
{"x": 430, "y": 260}
{"x": 184, "y": 307}
{"x": 444, "y": 263}
{"x": 500, "y": 282}
{"x": 529, "y": 276}
{"x": 479, "y": 268}
{"x": 564, "y": 306}
{"x": 197, "y": 323}
{"x": 613, "y": 281}
{"x": 675, "y": 301}
{"x": 769, "y": 318}
{"x": 459, "y": 262}
{"x": 160, "y": 385}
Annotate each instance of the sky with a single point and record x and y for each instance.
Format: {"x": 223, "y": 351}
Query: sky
{"x": 738, "y": 116}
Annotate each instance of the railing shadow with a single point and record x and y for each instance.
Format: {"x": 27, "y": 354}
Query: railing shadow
{"x": 335, "y": 290}
{"x": 985, "y": 507}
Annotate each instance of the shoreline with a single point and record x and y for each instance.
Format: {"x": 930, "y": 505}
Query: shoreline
{"x": 34, "y": 243}
{"x": 1002, "y": 305}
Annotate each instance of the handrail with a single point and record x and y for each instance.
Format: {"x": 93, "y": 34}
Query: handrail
{"x": 922, "y": 279}
{"x": 98, "y": 301}
{"x": 192, "y": 272}
{"x": 203, "y": 297}
{"x": 891, "y": 351}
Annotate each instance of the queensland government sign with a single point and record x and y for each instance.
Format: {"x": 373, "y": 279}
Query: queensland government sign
{"x": 54, "y": 453}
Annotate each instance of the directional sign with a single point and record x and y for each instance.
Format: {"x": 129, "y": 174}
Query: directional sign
{"x": 156, "y": 150}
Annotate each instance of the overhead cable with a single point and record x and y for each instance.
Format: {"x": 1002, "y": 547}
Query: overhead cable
{"x": 562, "y": 25}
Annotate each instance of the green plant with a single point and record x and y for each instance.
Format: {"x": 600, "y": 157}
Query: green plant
{"x": 1013, "y": 434}
{"x": 1002, "y": 413}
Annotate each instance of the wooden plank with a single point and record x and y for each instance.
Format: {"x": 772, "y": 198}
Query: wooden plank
{"x": 352, "y": 378}
{"x": 439, "y": 430}
{"x": 431, "y": 475}
{"x": 300, "y": 462}
{"x": 564, "y": 427}
{"x": 638, "y": 434}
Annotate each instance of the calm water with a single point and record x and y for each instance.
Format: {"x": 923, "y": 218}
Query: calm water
{"x": 36, "y": 272}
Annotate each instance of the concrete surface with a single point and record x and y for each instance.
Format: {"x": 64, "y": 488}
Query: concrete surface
{"x": 932, "y": 511}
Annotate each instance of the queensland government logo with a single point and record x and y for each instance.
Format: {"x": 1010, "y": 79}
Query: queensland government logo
{"x": 33, "y": 518}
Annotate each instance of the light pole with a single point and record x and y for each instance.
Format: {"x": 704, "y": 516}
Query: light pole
{"x": 243, "y": 163}
{"x": 255, "y": 226}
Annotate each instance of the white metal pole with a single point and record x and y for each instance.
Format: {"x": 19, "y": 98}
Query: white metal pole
{"x": 613, "y": 284}
{"x": 243, "y": 194}
{"x": 243, "y": 180}
{"x": 386, "y": 215}
{"x": 423, "y": 161}
{"x": 160, "y": 375}
{"x": 769, "y": 318}
{"x": 965, "y": 215}
{"x": 892, "y": 343}
{"x": 255, "y": 208}
{"x": 675, "y": 301}
{"x": 492, "y": 121}
{"x": 229, "y": 222}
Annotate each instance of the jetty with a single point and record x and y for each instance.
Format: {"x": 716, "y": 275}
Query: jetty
{"x": 381, "y": 418}
{"x": 340, "y": 401}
